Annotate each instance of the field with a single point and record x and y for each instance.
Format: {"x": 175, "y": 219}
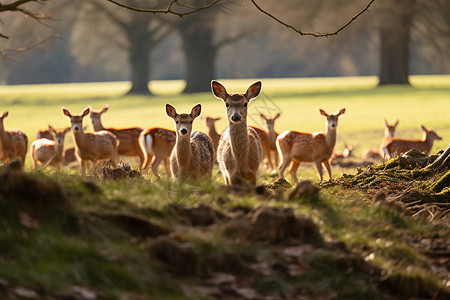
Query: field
{"x": 67, "y": 236}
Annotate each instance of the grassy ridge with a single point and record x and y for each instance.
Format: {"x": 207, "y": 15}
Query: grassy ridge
{"x": 299, "y": 99}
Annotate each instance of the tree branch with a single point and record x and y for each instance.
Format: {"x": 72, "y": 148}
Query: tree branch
{"x": 299, "y": 31}
{"x": 169, "y": 9}
{"x": 7, "y": 54}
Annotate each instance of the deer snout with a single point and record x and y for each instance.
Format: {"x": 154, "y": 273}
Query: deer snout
{"x": 76, "y": 128}
{"x": 183, "y": 131}
{"x": 236, "y": 118}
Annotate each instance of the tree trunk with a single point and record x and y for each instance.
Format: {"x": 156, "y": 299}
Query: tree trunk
{"x": 395, "y": 22}
{"x": 140, "y": 64}
{"x": 197, "y": 34}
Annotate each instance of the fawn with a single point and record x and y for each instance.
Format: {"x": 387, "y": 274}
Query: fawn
{"x": 239, "y": 153}
{"x": 49, "y": 152}
{"x": 272, "y": 137}
{"x": 210, "y": 123}
{"x": 348, "y": 152}
{"x": 192, "y": 157}
{"x": 389, "y": 131}
{"x": 13, "y": 143}
{"x": 297, "y": 147}
{"x": 101, "y": 145}
{"x": 156, "y": 144}
{"x": 398, "y": 146}
{"x": 128, "y": 137}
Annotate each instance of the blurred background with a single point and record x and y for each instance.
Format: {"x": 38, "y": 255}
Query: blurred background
{"x": 95, "y": 40}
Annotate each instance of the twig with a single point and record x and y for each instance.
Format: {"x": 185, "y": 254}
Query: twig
{"x": 299, "y": 31}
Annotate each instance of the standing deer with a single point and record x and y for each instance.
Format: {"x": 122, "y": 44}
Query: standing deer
{"x": 192, "y": 157}
{"x": 49, "y": 152}
{"x": 389, "y": 132}
{"x": 272, "y": 137}
{"x": 239, "y": 153}
{"x": 13, "y": 143}
{"x": 210, "y": 123}
{"x": 101, "y": 145}
{"x": 128, "y": 137}
{"x": 297, "y": 147}
{"x": 398, "y": 146}
{"x": 156, "y": 144}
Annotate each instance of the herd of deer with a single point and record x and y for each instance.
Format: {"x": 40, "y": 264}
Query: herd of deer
{"x": 239, "y": 150}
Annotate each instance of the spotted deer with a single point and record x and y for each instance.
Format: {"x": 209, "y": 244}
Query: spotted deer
{"x": 389, "y": 132}
{"x": 239, "y": 153}
{"x": 47, "y": 152}
{"x": 397, "y": 146}
{"x": 210, "y": 123}
{"x": 13, "y": 143}
{"x": 296, "y": 147}
{"x": 192, "y": 157}
{"x": 95, "y": 146}
{"x": 272, "y": 137}
{"x": 156, "y": 144}
{"x": 128, "y": 137}
{"x": 265, "y": 145}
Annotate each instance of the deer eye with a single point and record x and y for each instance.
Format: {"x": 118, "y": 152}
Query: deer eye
{"x": 190, "y": 122}
{"x": 176, "y": 122}
{"x": 245, "y": 104}
{"x": 227, "y": 104}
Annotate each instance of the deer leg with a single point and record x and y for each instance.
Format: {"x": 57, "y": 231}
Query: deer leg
{"x": 319, "y": 169}
{"x": 156, "y": 161}
{"x": 284, "y": 163}
{"x": 293, "y": 171}
{"x": 326, "y": 163}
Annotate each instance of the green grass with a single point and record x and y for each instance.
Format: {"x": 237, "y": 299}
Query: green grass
{"x": 299, "y": 100}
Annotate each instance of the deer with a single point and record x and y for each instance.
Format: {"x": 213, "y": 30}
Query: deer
{"x": 239, "y": 153}
{"x": 397, "y": 146}
{"x": 95, "y": 146}
{"x": 44, "y": 134}
{"x": 389, "y": 132}
{"x": 69, "y": 156}
{"x": 156, "y": 144}
{"x": 297, "y": 147}
{"x": 348, "y": 152}
{"x": 192, "y": 157}
{"x": 210, "y": 123}
{"x": 49, "y": 152}
{"x": 272, "y": 137}
{"x": 13, "y": 143}
{"x": 128, "y": 137}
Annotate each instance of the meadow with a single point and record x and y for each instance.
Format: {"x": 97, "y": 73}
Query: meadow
{"x": 67, "y": 236}
{"x": 298, "y": 100}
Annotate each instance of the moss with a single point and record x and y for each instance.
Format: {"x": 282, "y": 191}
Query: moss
{"x": 441, "y": 184}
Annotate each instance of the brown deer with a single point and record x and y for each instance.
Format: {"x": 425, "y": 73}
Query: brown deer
{"x": 389, "y": 132}
{"x": 44, "y": 134}
{"x": 69, "y": 156}
{"x": 239, "y": 153}
{"x": 210, "y": 123}
{"x": 95, "y": 146}
{"x": 297, "y": 147}
{"x": 128, "y": 137}
{"x": 156, "y": 144}
{"x": 398, "y": 146}
{"x": 192, "y": 157}
{"x": 272, "y": 137}
{"x": 49, "y": 152}
{"x": 13, "y": 143}
{"x": 348, "y": 152}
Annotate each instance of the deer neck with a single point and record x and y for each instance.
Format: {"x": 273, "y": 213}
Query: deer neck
{"x": 98, "y": 126}
{"x": 428, "y": 140}
{"x": 330, "y": 138}
{"x": 239, "y": 140}
{"x": 79, "y": 137}
{"x": 58, "y": 150}
{"x": 212, "y": 132}
{"x": 183, "y": 151}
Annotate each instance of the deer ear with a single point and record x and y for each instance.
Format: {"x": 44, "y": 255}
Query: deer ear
{"x": 341, "y": 112}
{"x": 5, "y": 114}
{"x": 196, "y": 110}
{"x": 424, "y": 128}
{"x": 217, "y": 119}
{"x": 66, "y": 112}
{"x": 105, "y": 108}
{"x": 67, "y": 129}
{"x": 253, "y": 91}
{"x": 277, "y": 116}
{"x": 323, "y": 113}
{"x": 263, "y": 116}
{"x": 85, "y": 111}
{"x": 51, "y": 129}
{"x": 219, "y": 90}
{"x": 171, "y": 111}
{"x": 396, "y": 123}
